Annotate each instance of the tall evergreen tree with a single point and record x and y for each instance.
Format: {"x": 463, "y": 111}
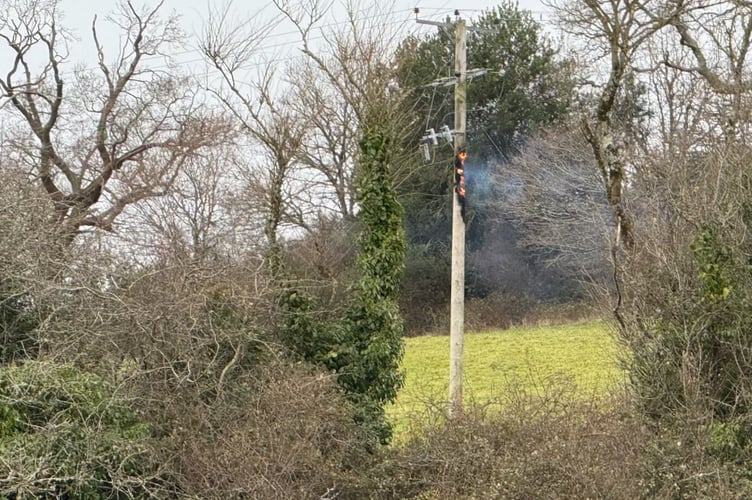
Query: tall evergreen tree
{"x": 526, "y": 87}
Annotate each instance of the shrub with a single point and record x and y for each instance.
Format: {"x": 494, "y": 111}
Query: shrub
{"x": 685, "y": 295}
{"x": 17, "y": 324}
{"x": 295, "y": 438}
{"x": 527, "y": 446}
{"x": 65, "y": 433}
{"x": 497, "y": 311}
{"x": 690, "y": 459}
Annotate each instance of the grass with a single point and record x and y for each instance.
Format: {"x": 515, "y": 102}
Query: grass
{"x": 582, "y": 352}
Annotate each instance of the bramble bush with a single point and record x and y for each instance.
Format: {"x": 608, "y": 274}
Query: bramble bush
{"x": 65, "y": 433}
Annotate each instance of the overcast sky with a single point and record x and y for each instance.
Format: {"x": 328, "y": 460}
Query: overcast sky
{"x": 78, "y": 15}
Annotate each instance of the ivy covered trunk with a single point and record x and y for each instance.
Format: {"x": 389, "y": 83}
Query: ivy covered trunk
{"x": 364, "y": 348}
{"x": 373, "y": 322}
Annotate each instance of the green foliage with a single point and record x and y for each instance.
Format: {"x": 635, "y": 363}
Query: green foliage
{"x": 727, "y": 439}
{"x": 713, "y": 260}
{"x": 308, "y": 334}
{"x": 372, "y": 319}
{"x": 525, "y": 87}
{"x": 688, "y": 337}
{"x": 364, "y": 347}
{"x": 65, "y": 433}
{"x": 382, "y": 239}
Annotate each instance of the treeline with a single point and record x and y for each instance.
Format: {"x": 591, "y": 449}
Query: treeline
{"x": 205, "y": 282}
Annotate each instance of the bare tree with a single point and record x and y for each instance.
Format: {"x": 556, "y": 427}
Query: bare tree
{"x": 193, "y": 221}
{"x": 330, "y": 144}
{"x": 269, "y": 120}
{"x": 681, "y": 103}
{"x": 715, "y": 44}
{"x": 123, "y": 131}
{"x": 553, "y": 192}
{"x": 356, "y": 62}
{"x": 615, "y": 31}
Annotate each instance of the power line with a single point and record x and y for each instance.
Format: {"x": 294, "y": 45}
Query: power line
{"x": 175, "y": 58}
{"x": 175, "y": 61}
{"x": 172, "y": 60}
{"x": 321, "y": 27}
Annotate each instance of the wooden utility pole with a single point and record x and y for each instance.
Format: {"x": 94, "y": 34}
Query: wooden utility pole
{"x": 457, "y": 312}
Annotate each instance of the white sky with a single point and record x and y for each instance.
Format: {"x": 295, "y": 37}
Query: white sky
{"x": 78, "y": 15}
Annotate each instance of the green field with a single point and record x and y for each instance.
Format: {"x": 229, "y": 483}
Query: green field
{"x": 584, "y": 353}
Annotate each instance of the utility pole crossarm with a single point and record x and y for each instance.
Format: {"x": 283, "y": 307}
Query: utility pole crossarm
{"x": 452, "y": 80}
{"x": 433, "y": 23}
